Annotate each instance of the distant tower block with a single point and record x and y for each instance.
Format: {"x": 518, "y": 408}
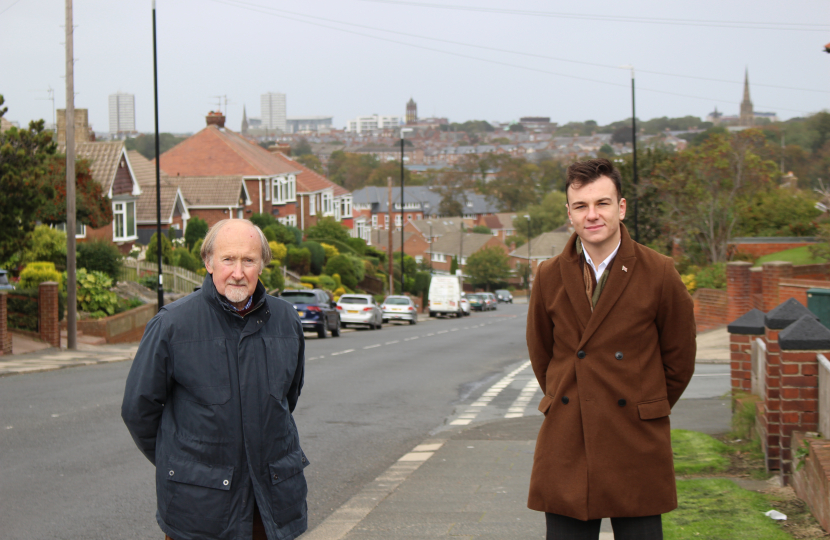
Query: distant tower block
{"x": 411, "y": 111}
{"x": 747, "y": 112}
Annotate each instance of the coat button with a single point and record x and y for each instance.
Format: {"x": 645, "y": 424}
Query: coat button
{"x": 580, "y": 355}
{"x": 618, "y": 355}
{"x": 276, "y": 477}
{"x": 565, "y": 400}
{"x": 621, "y": 403}
{"x": 225, "y": 483}
{"x": 171, "y": 473}
{"x": 303, "y": 459}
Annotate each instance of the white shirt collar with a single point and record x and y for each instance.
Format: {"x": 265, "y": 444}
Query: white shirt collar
{"x": 598, "y": 270}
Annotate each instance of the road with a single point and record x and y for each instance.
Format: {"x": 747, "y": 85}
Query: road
{"x": 70, "y": 469}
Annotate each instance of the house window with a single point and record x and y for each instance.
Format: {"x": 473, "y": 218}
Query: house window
{"x": 123, "y": 220}
{"x": 409, "y": 217}
{"x": 337, "y": 208}
{"x": 439, "y": 257}
{"x": 80, "y": 229}
{"x": 312, "y": 207}
{"x": 327, "y": 201}
{"x": 375, "y": 221}
{"x": 469, "y": 216}
{"x": 398, "y": 221}
{"x": 291, "y": 189}
{"x": 280, "y": 188}
{"x": 419, "y": 259}
{"x": 267, "y": 192}
{"x": 346, "y": 210}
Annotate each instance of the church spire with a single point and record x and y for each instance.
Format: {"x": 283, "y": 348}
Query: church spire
{"x": 244, "y": 129}
{"x": 747, "y": 113}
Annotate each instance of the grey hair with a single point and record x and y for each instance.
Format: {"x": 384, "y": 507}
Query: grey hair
{"x": 210, "y": 239}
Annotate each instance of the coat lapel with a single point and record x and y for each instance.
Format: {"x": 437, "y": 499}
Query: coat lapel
{"x": 574, "y": 283}
{"x": 617, "y": 282}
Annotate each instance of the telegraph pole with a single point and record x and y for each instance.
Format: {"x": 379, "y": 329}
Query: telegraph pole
{"x": 158, "y": 165}
{"x": 389, "y": 228}
{"x": 71, "y": 278}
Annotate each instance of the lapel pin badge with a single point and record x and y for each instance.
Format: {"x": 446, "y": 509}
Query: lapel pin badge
{"x": 624, "y": 269}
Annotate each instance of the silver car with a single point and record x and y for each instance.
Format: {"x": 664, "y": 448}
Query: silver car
{"x": 399, "y": 308}
{"x": 360, "y": 309}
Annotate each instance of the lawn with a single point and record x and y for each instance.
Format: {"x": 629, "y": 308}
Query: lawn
{"x": 717, "y": 509}
{"x": 799, "y": 255}
{"x": 698, "y": 453}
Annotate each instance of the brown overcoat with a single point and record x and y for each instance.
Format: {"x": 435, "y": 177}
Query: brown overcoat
{"x": 609, "y": 380}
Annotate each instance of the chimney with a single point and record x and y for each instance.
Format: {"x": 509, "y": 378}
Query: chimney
{"x": 215, "y": 119}
{"x": 282, "y": 148}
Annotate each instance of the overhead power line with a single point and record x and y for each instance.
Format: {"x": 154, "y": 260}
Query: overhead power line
{"x": 281, "y": 14}
{"x": 752, "y": 25}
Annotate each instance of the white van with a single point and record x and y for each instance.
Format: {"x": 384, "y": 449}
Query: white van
{"x": 445, "y": 296}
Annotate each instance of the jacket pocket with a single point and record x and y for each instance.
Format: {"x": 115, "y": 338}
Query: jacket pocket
{"x": 199, "y": 496}
{"x": 281, "y": 361}
{"x": 289, "y": 490}
{"x": 544, "y": 405}
{"x": 202, "y": 369}
{"x": 651, "y": 410}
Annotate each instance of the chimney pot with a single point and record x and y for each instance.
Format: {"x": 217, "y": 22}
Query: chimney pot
{"x": 215, "y": 119}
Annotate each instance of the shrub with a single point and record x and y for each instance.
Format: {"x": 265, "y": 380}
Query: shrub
{"x": 373, "y": 253}
{"x": 357, "y": 244}
{"x": 299, "y": 259}
{"x": 327, "y": 283}
{"x": 338, "y": 292}
{"x": 263, "y": 221}
{"x": 314, "y": 280}
{"x": 46, "y": 244}
{"x": 150, "y": 281}
{"x": 196, "y": 251}
{"x": 328, "y": 228}
{"x": 712, "y": 277}
{"x": 296, "y": 234}
{"x": 166, "y": 249}
{"x": 94, "y": 295}
{"x": 183, "y": 259}
{"x": 196, "y": 230}
{"x": 344, "y": 266}
{"x": 330, "y": 250}
{"x": 369, "y": 268}
{"x": 269, "y": 234}
{"x": 277, "y": 281}
{"x": 36, "y": 273}
{"x": 318, "y": 256}
{"x": 100, "y": 256}
{"x": 278, "y": 252}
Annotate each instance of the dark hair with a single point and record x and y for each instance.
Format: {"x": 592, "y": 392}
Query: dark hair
{"x": 585, "y": 172}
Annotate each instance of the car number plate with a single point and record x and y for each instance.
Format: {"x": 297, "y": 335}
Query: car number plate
{"x": 352, "y": 311}
{"x": 300, "y": 313}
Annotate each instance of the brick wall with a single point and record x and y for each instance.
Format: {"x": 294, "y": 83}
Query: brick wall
{"x": 774, "y": 272}
{"x": 5, "y": 335}
{"x": 121, "y": 328}
{"x": 772, "y": 402}
{"x": 710, "y": 309}
{"x": 739, "y": 289}
{"x": 756, "y": 284}
{"x": 798, "y": 400}
{"x": 812, "y": 481}
{"x": 740, "y": 356}
{"x": 759, "y": 250}
{"x": 48, "y": 313}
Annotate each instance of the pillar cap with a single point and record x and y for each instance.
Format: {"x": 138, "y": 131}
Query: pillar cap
{"x": 805, "y": 334}
{"x": 739, "y": 263}
{"x": 751, "y": 322}
{"x": 785, "y": 314}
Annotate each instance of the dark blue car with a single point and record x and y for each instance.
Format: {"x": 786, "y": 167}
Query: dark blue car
{"x": 316, "y": 310}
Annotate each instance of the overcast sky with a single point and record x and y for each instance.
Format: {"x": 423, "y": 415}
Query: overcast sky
{"x": 355, "y": 57}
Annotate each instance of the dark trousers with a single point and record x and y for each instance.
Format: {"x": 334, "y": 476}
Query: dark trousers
{"x": 633, "y": 528}
{"x": 259, "y": 528}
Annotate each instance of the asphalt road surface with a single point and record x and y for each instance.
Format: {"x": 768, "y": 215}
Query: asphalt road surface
{"x": 69, "y": 469}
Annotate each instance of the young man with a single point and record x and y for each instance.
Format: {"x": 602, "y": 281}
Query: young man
{"x": 611, "y": 336}
{"x": 209, "y": 400}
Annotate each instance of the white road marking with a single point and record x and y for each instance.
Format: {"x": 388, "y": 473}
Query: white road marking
{"x": 471, "y": 413}
{"x": 517, "y": 409}
{"x": 430, "y": 334}
{"x": 392, "y": 342}
{"x": 443, "y": 332}
{"x": 372, "y": 346}
{"x": 342, "y": 352}
{"x": 454, "y": 330}
{"x": 411, "y": 338}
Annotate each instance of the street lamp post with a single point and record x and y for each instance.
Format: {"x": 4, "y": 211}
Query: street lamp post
{"x": 430, "y": 247}
{"x": 403, "y": 220}
{"x": 634, "y": 154}
{"x": 529, "y": 253}
{"x": 158, "y": 166}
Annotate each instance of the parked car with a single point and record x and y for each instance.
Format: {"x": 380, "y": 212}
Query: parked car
{"x": 4, "y": 281}
{"x": 503, "y": 295}
{"x": 445, "y": 296}
{"x": 316, "y": 309}
{"x": 399, "y": 308}
{"x": 465, "y": 305}
{"x": 492, "y": 303}
{"x": 360, "y": 309}
{"x": 477, "y": 302}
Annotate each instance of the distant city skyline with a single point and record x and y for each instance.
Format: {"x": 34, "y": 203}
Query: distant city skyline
{"x": 474, "y": 59}
{"x": 121, "y": 113}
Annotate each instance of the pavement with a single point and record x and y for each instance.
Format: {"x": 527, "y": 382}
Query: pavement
{"x": 469, "y": 479}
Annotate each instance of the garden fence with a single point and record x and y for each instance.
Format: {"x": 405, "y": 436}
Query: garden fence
{"x": 175, "y": 279}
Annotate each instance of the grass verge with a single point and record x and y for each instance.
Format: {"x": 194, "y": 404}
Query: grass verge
{"x": 698, "y": 453}
{"x": 799, "y": 255}
{"x": 717, "y": 509}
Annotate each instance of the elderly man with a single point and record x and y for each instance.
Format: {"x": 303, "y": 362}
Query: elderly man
{"x": 209, "y": 399}
{"x": 611, "y": 336}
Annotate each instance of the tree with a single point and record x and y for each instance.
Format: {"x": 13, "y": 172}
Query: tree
{"x": 196, "y": 228}
{"x": 328, "y": 229}
{"x": 701, "y": 187}
{"x": 651, "y": 211}
{"x": 166, "y": 249}
{"x": 351, "y": 171}
{"x": 342, "y": 266}
{"x": 146, "y": 144}
{"x": 302, "y": 148}
{"x": 100, "y": 256}
{"x": 318, "y": 256}
{"x": 46, "y": 244}
{"x": 778, "y": 212}
{"x": 92, "y": 207}
{"x": 516, "y": 183}
{"x": 550, "y": 214}
{"x": 312, "y": 162}
{"x": 481, "y": 229}
{"x": 24, "y": 154}
{"x": 488, "y": 266}
{"x": 391, "y": 169}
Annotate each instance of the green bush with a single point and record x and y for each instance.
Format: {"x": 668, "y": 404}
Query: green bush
{"x": 328, "y": 228}
{"x": 94, "y": 295}
{"x": 166, "y": 249}
{"x": 296, "y": 235}
{"x": 299, "y": 259}
{"x": 263, "y": 221}
{"x": 343, "y": 266}
{"x": 23, "y": 309}
{"x": 47, "y": 245}
{"x": 712, "y": 277}
{"x": 183, "y": 259}
{"x": 342, "y": 247}
{"x": 318, "y": 256}
{"x": 270, "y": 235}
{"x": 327, "y": 283}
{"x": 196, "y": 251}
{"x": 196, "y": 230}
{"x": 358, "y": 245}
{"x": 276, "y": 281}
{"x": 150, "y": 281}
{"x": 373, "y": 253}
{"x": 36, "y": 273}
{"x": 100, "y": 256}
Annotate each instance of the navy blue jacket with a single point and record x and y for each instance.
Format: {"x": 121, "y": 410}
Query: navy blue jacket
{"x": 208, "y": 401}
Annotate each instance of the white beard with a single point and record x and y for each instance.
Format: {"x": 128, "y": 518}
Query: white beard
{"x": 236, "y": 295}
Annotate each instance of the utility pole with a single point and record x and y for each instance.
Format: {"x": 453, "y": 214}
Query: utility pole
{"x": 71, "y": 278}
{"x": 158, "y": 166}
{"x": 635, "y": 180}
{"x": 430, "y": 246}
{"x": 403, "y": 219}
{"x": 461, "y": 257}
{"x": 389, "y": 229}
{"x": 529, "y": 255}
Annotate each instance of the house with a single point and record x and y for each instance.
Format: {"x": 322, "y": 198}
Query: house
{"x": 174, "y": 209}
{"x": 460, "y": 245}
{"x": 216, "y": 151}
{"x": 414, "y": 245}
{"x": 111, "y": 168}
{"x": 501, "y": 224}
{"x": 540, "y": 249}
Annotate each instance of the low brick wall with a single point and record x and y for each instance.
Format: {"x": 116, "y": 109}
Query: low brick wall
{"x": 812, "y": 480}
{"x": 121, "y": 328}
{"x": 797, "y": 288}
{"x": 5, "y": 335}
{"x": 710, "y": 309}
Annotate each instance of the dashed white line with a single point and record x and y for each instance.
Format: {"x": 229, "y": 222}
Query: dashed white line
{"x": 454, "y": 330}
{"x": 430, "y": 334}
{"x": 342, "y": 352}
{"x": 443, "y": 332}
{"x": 372, "y": 346}
{"x": 392, "y": 342}
{"x": 411, "y": 338}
